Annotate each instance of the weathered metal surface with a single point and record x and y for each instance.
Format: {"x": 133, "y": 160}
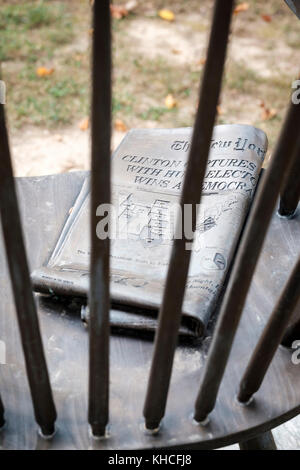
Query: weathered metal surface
{"x": 44, "y": 203}
{"x": 244, "y": 265}
{"x": 170, "y": 312}
{"x": 271, "y": 337}
{"x": 36, "y": 367}
{"x": 99, "y": 301}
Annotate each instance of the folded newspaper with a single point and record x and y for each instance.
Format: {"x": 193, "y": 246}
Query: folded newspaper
{"x": 148, "y": 170}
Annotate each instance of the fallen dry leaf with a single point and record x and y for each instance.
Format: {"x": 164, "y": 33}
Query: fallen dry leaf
{"x": 118, "y": 11}
{"x": 170, "y": 101}
{"x": 166, "y": 15}
{"x": 84, "y": 124}
{"x": 119, "y": 125}
{"x": 202, "y": 61}
{"x": 176, "y": 51}
{"x": 267, "y": 113}
{"x": 241, "y": 7}
{"x": 44, "y": 71}
{"x": 267, "y": 18}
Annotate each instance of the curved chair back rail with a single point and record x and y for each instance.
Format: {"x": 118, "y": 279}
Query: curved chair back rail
{"x": 73, "y": 364}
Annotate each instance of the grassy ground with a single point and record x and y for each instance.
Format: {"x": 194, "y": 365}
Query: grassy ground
{"x": 152, "y": 58}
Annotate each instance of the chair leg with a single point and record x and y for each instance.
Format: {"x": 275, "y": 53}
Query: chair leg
{"x": 263, "y": 441}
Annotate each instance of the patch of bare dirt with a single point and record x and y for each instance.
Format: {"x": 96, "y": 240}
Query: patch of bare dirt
{"x": 179, "y": 43}
{"x": 42, "y": 152}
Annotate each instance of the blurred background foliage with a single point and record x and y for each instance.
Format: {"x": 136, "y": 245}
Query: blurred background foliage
{"x": 158, "y": 62}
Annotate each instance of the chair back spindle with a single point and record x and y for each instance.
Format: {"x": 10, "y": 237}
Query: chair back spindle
{"x": 98, "y": 413}
{"x": 292, "y": 334}
{"x": 170, "y": 312}
{"x": 290, "y": 192}
{"x": 35, "y": 361}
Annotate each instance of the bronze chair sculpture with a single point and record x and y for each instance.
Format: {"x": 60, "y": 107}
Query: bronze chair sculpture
{"x": 211, "y": 422}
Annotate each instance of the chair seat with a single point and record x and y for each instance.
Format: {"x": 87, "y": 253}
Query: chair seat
{"x": 44, "y": 203}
